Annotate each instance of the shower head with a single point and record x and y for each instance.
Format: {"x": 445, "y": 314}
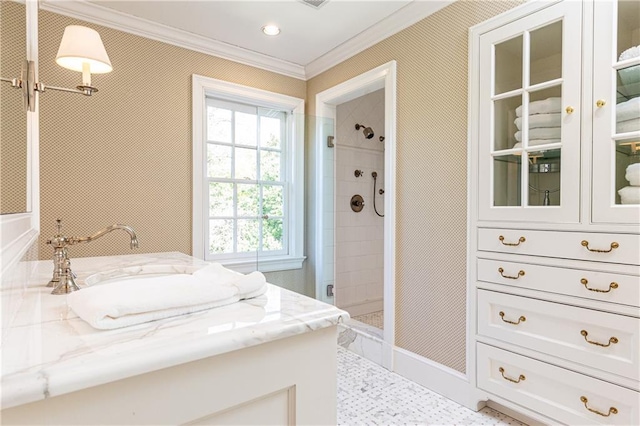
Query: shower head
{"x": 367, "y": 131}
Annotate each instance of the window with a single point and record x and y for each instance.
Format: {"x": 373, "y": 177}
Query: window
{"x": 247, "y": 160}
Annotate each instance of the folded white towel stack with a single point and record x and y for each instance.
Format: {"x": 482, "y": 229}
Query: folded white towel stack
{"x": 632, "y": 125}
{"x": 540, "y": 133}
{"x": 545, "y": 106}
{"x": 628, "y": 110}
{"x": 141, "y": 300}
{"x": 630, "y": 75}
{"x": 541, "y": 120}
{"x": 630, "y": 195}
{"x": 544, "y": 122}
{"x": 632, "y": 174}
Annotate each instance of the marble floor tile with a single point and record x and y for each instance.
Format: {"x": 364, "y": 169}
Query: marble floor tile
{"x": 375, "y": 319}
{"x": 370, "y": 395}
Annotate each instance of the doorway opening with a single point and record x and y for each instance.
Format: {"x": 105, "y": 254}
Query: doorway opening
{"x": 355, "y": 239}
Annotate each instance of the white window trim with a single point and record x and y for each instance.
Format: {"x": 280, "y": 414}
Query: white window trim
{"x": 205, "y": 86}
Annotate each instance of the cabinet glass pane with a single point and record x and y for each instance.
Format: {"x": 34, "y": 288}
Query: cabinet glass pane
{"x": 504, "y": 125}
{"x": 546, "y": 53}
{"x": 544, "y": 178}
{"x": 506, "y": 180}
{"x": 508, "y": 65}
{"x": 627, "y": 189}
{"x": 544, "y": 117}
{"x": 628, "y": 29}
{"x": 628, "y": 100}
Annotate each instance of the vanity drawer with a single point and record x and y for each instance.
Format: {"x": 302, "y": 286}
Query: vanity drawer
{"x": 553, "y": 391}
{"x": 614, "y": 248}
{"x": 597, "y": 339}
{"x": 602, "y": 286}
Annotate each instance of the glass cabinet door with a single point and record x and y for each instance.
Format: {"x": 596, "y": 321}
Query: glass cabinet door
{"x": 616, "y": 112}
{"x": 529, "y": 127}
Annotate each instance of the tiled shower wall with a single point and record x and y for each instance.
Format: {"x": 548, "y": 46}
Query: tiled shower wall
{"x": 359, "y": 236}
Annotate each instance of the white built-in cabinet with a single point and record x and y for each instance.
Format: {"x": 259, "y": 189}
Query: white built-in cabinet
{"x": 554, "y": 217}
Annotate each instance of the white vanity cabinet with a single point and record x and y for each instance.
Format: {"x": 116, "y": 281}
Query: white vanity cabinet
{"x": 554, "y": 253}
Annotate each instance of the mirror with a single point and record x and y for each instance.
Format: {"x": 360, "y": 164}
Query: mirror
{"x": 13, "y": 117}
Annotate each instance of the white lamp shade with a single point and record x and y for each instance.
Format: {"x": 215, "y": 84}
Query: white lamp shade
{"x": 83, "y": 45}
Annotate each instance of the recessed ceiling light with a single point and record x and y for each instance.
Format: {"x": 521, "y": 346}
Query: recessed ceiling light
{"x": 271, "y": 30}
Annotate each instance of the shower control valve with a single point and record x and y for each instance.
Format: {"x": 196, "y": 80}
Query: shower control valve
{"x": 357, "y": 203}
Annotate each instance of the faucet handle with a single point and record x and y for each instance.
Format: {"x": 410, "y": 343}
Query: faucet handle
{"x": 59, "y": 225}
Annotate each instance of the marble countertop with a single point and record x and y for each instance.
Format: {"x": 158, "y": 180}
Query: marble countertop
{"x": 49, "y": 351}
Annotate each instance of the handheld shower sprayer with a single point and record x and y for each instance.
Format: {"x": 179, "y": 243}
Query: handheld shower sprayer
{"x": 367, "y": 131}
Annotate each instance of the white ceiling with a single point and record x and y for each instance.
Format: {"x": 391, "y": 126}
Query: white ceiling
{"x": 307, "y": 32}
{"x": 312, "y": 40}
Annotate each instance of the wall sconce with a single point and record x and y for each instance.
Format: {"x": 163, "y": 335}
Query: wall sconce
{"x": 81, "y": 49}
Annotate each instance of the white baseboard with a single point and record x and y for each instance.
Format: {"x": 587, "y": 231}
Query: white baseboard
{"x": 364, "y": 308}
{"x": 445, "y": 381}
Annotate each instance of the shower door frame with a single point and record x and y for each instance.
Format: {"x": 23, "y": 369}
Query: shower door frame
{"x": 378, "y": 78}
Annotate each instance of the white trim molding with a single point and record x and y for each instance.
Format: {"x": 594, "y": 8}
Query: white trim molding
{"x": 19, "y": 231}
{"x": 383, "y": 76}
{"x": 112, "y": 18}
{"x": 203, "y": 86}
{"x": 394, "y": 23}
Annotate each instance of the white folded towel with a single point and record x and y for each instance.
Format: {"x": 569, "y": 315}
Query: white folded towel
{"x": 630, "y": 195}
{"x": 541, "y": 133}
{"x": 248, "y": 286}
{"x": 536, "y": 142}
{"x": 632, "y": 125}
{"x": 545, "y": 106}
{"x": 141, "y": 300}
{"x": 630, "y": 75}
{"x": 541, "y": 120}
{"x": 628, "y": 110}
{"x": 632, "y": 174}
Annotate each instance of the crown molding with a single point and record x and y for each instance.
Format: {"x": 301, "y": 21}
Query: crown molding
{"x": 396, "y": 22}
{"x": 111, "y": 18}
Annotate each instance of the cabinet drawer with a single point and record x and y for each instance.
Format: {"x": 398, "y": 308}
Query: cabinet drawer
{"x": 566, "y": 245}
{"x": 602, "y": 286}
{"x": 563, "y": 331}
{"x": 554, "y": 391}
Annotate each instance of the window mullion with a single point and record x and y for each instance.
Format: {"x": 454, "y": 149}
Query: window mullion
{"x": 234, "y": 222}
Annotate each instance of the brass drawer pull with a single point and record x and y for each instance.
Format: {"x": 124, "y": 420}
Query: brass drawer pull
{"x": 614, "y": 245}
{"x": 611, "y": 340}
{"x": 520, "y": 378}
{"x": 520, "y": 240}
{"x": 612, "y": 286}
{"x": 612, "y": 410}
{"x": 520, "y": 274}
{"x": 521, "y": 319}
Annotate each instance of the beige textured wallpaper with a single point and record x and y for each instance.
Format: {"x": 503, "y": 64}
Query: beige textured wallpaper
{"x": 124, "y": 155}
{"x": 431, "y": 173}
{"x": 13, "y": 118}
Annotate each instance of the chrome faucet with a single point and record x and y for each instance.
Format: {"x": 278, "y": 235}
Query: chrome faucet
{"x": 63, "y": 280}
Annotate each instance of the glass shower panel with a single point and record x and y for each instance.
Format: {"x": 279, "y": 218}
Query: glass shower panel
{"x": 505, "y": 122}
{"x": 544, "y": 178}
{"x": 545, "y": 53}
{"x": 506, "y": 180}
{"x": 508, "y": 66}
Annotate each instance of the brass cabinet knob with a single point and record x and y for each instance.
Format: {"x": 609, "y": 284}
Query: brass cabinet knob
{"x": 569, "y": 110}
{"x": 600, "y": 103}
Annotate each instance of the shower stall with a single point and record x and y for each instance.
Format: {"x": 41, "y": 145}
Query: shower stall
{"x": 358, "y": 208}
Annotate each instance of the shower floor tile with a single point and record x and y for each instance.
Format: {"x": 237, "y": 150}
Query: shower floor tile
{"x": 375, "y": 319}
{"x": 370, "y": 395}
